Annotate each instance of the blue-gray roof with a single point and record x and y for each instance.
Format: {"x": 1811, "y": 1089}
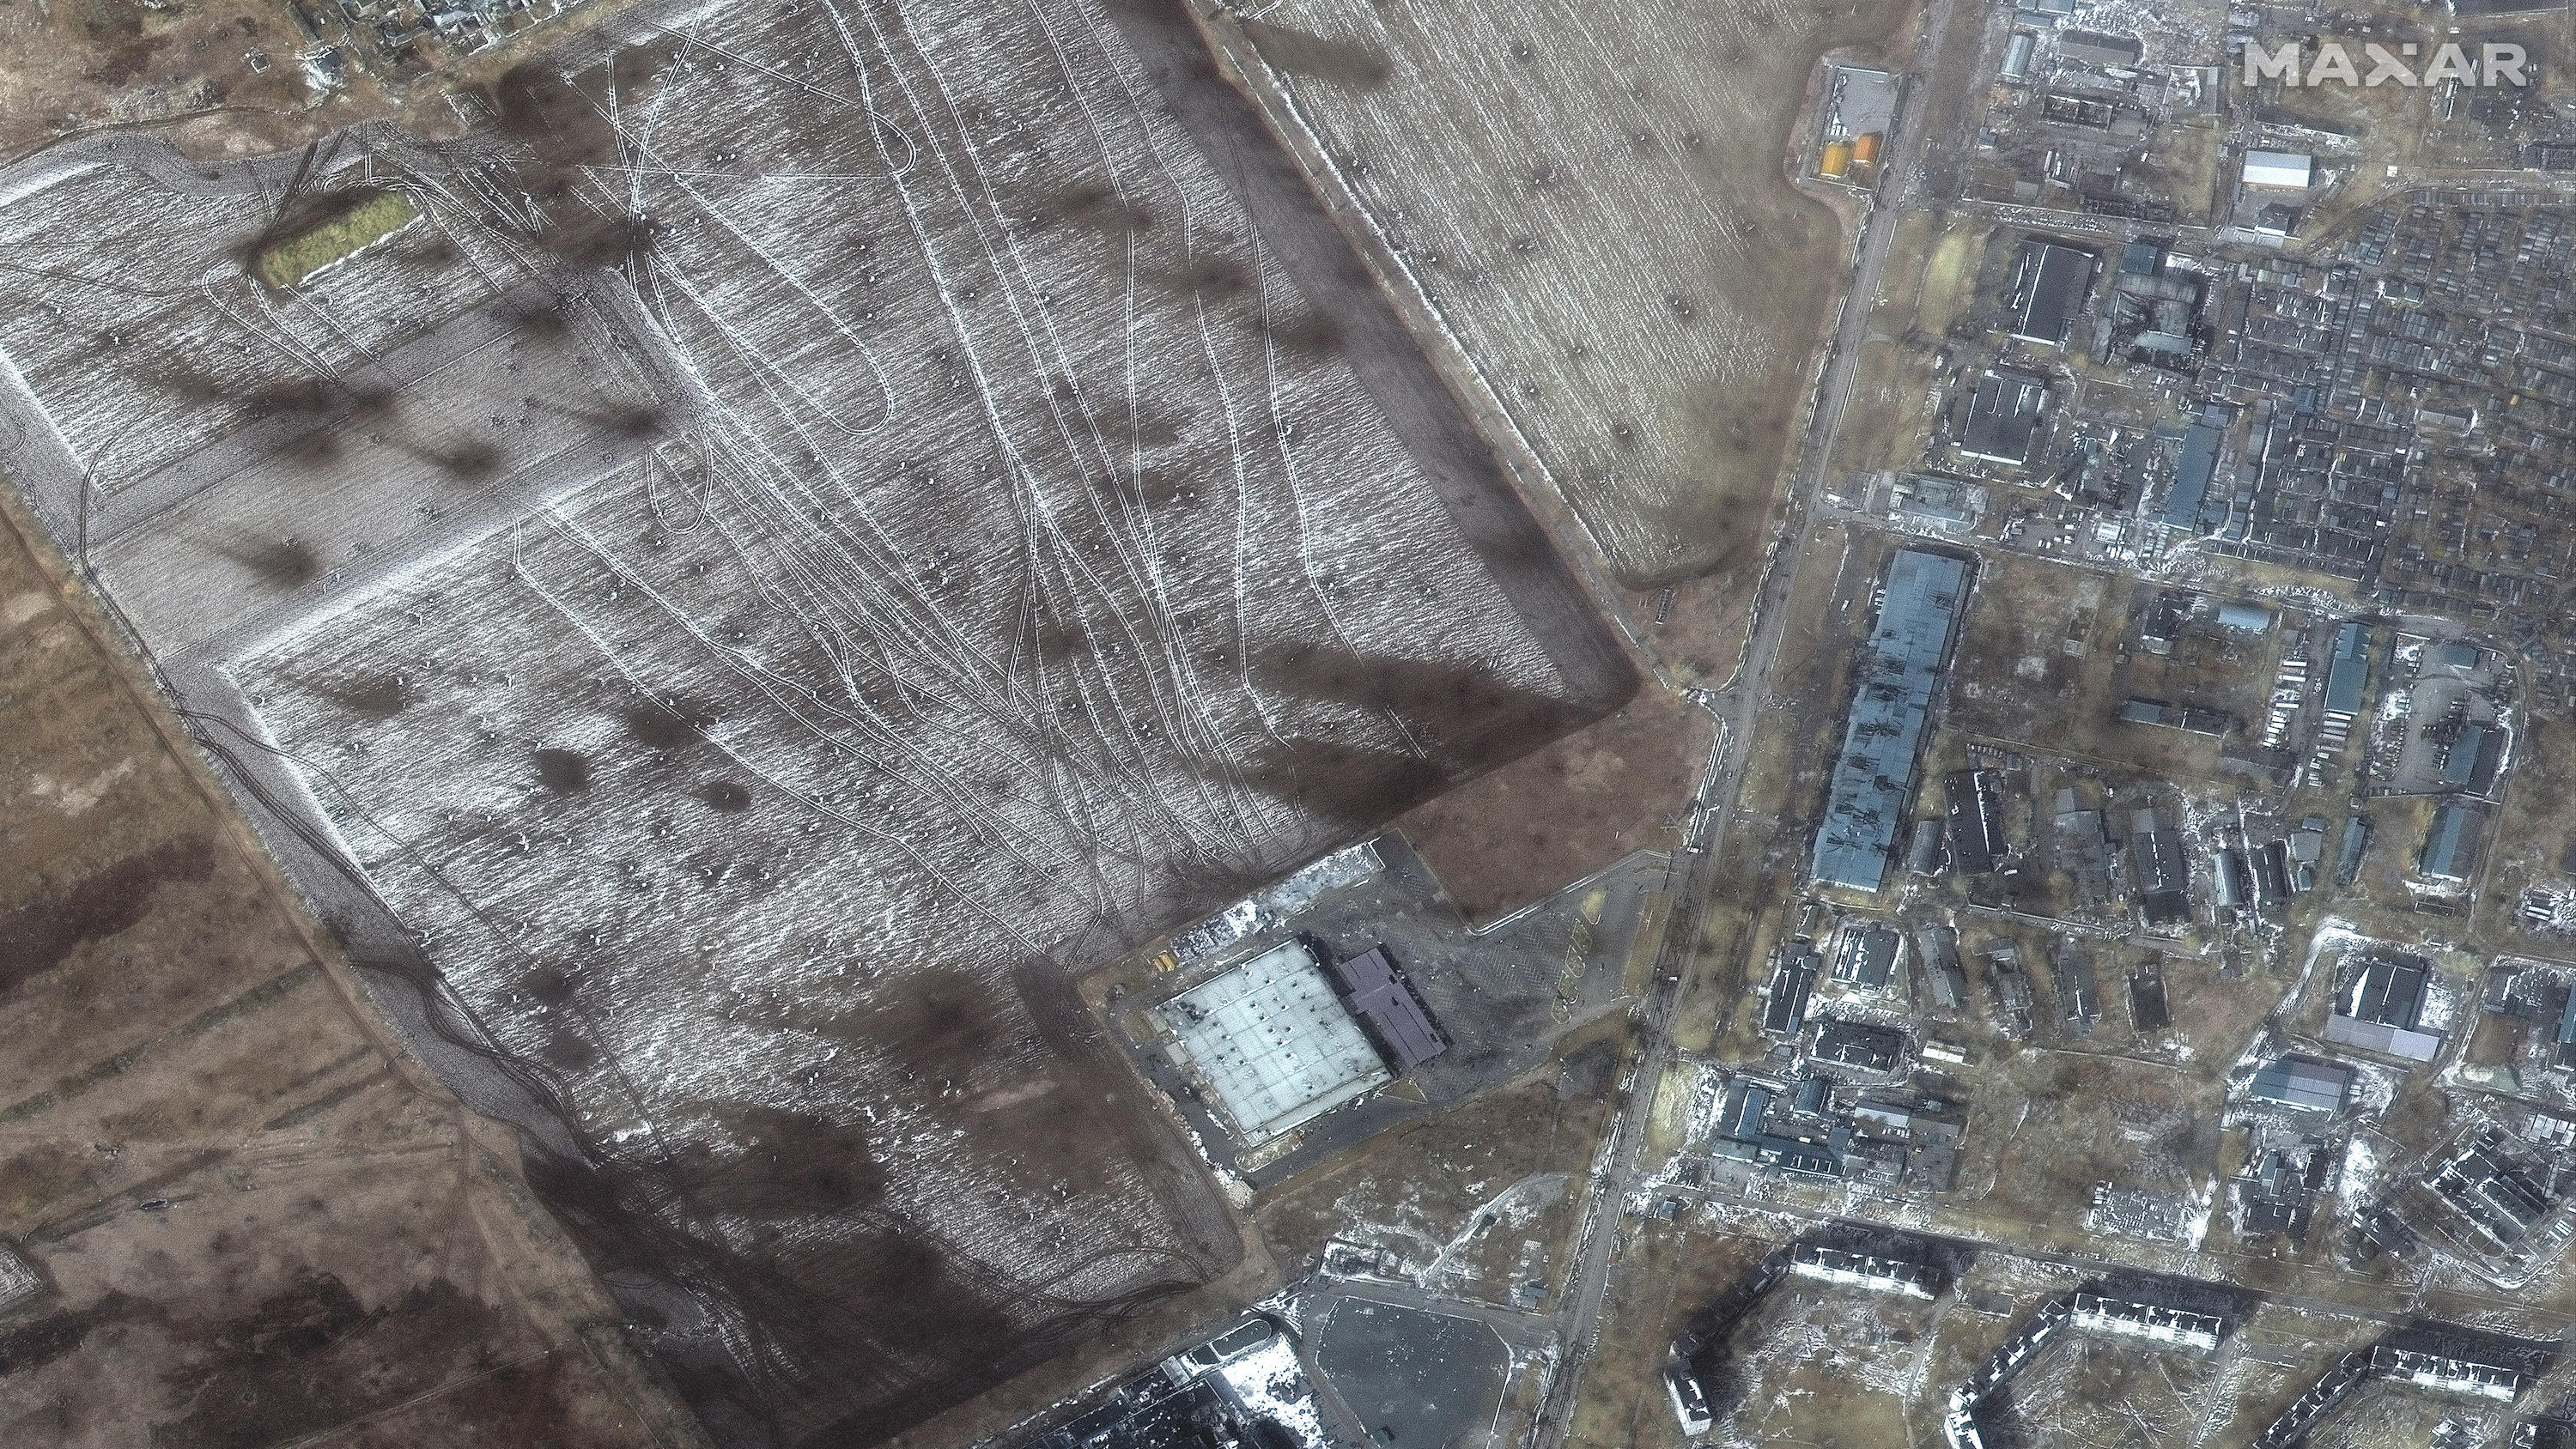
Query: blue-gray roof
{"x": 2192, "y": 473}
{"x": 2349, "y": 670}
{"x": 2304, "y": 1083}
{"x": 2451, "y": 851}
{"x": 1897, "y": 672}
{"x": 2460, "y": 762}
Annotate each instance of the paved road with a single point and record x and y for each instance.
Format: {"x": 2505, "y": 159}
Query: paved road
{"x": 1737, "y": 707}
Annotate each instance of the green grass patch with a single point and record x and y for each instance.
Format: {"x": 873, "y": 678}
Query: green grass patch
{"x": 367, "y": 220}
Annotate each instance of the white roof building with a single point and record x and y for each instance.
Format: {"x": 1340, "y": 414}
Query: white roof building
{"x": 1273, "y": 1042}
{"x": 2285, "y": 170}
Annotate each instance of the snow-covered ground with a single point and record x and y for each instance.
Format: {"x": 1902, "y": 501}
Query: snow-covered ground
{"x": 1031, "y": 571}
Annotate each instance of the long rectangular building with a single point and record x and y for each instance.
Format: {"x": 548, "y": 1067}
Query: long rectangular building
{"x": 1386, "y": 1005}
{"x": 1898, "y": 674}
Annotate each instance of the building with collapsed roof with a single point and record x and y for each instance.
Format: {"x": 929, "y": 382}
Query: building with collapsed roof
{"x": 2050, "y": 283}
{"x": 2162, "y": 868}
{"x": 2151, "y": 1321}
{"x": 1938, "y": 948}
{"x": 1976, "y": 820}
{"x": 1859, "y": 1045}
{"x": 1784, "y": 996}
{"x": 1864, "y": 1270}
{"x": 1273, "y": 1043}
{"x": 2004, "y": 413}
{"x": 1866, "y": 955}
{"x": 1897, "y": 675}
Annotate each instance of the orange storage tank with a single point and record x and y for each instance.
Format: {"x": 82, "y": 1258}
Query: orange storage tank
{"x": 1865, "y": 150}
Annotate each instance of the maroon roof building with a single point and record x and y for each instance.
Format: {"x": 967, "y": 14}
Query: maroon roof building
{"x": 1389, "y": 1009}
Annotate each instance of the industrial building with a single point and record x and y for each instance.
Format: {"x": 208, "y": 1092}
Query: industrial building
{"x": 2151, "y": 315}
{"x": 2379, "y": 1007}
{"x": 1272, "y": 1043}
{"x": 2195, "y": 464}
{"x": 2348, "y": 672}
{"x": 1938, "y": 949}
{"x": 2492, "y": 1193}
{"x": 2050, "y": 283}
{"x": 2279, "y": 170}
{"x": 1897, "y": 674}
{"x": 1976, "y": 820}
{"x": 1859, "y": 1045}
{"x": 1784, "y": 996}
{"x": 1385, "y": 1004}
{"x": 2474, "y": 758}
{"x": 1793, "y": 1150}
{"x": 2089, "y": 47}
{"x": 2003, "y": 416}
{"x": 2303, "y": 1083}
{"x": 1866, "y": 955}
{"x": 2452, "y": 846}
{"x": 2162, "y": 867}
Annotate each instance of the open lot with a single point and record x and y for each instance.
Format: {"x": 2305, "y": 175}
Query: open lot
{"x": 955, "y": 547}
{"x": 255, "y": 1216}
{"x": 1476, "y": 1201}
{"x": 1616, "y": 253}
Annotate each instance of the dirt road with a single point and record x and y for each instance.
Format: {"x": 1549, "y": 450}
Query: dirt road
{"x": 1737, "y": 706}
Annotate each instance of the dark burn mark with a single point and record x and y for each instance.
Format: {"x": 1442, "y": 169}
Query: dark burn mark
{"x": 311, "y": 1356}
{"x": 672, "y": 726}
{"x": 467, "y": 460}
{"x": 1090, "y": 206}
{"x": 946, "y": 1024}
{"x": 380, "y": 697}
{"x": 1208, "y": 275}
{"x": 566, "y": 1051}
{"x": 563, "y": 771}
{"x": 39, "y": 936}
{"x": 552, "y": 985}
{"x": 289, "y": 563}
{"x": 31, "y": 1346}
{"x": 786, "y": 1164}
{"x": 638, "y": 422}
{"x": 536, "y": 321}
{"x": 1306, "y": 334}
{"x": 726, "y": 796}
{"x": 1351, "y": 63}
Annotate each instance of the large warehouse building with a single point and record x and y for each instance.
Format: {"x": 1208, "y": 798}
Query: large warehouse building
{"x": 1272, "y": 1043}
{"x": 1897, "y": 673}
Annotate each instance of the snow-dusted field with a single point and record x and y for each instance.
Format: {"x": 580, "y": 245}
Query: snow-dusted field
{"x": 1025, "y": 570}
{"x": 1589, "y": 198}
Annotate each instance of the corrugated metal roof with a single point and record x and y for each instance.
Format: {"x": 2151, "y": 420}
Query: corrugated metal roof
{"x": 2451, "y": 850}
{"x": 2300, "y": 1082}
{"x": 1393, "y": 1014}
{"x": 2050, "y": 282}
{"x": 2287, "y": 170}
{"x": 1273, "y": 1042}
{"x": 2349, "y": 670}
{"x": 1897, "y": 670}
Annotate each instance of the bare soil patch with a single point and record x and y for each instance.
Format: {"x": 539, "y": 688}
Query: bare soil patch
{"x": 256, "y": 1217}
